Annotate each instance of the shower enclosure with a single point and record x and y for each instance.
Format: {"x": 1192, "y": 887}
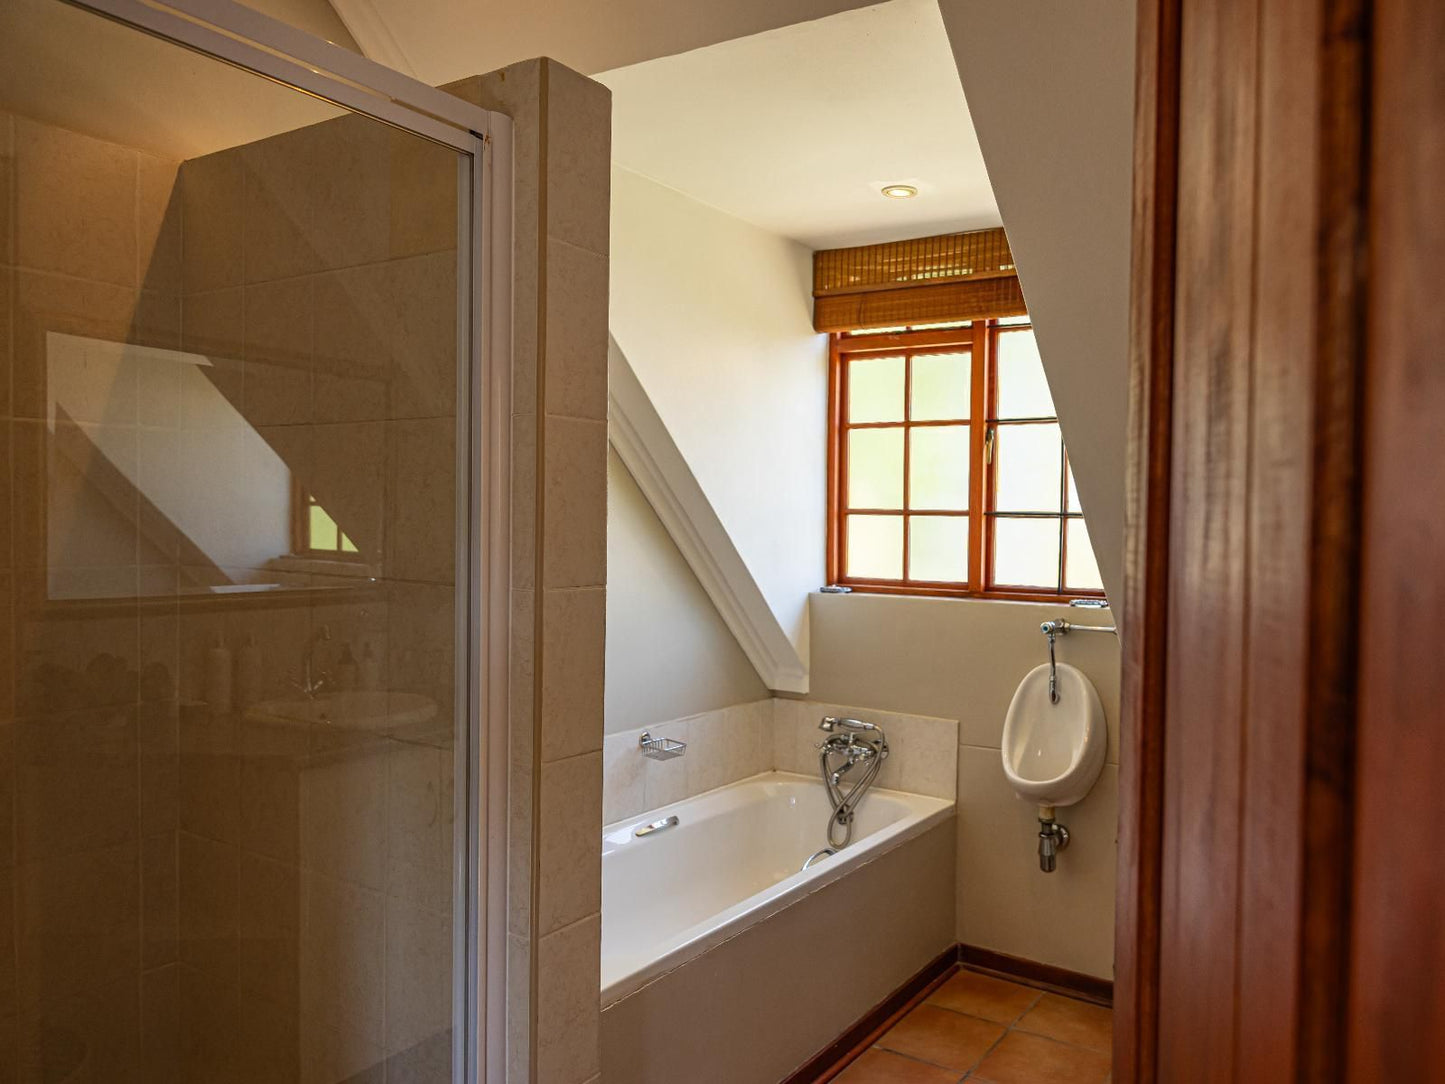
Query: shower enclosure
{"x": 248, "y": 426}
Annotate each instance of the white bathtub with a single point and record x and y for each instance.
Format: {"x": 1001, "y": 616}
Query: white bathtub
{"x": 733, "y": 859}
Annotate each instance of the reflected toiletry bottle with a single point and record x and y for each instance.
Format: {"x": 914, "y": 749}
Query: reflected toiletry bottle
{"x": 248, "y": 674}
{"x": 346, "y": 669}
{"x": 218, "y": 677}
{"x": 370, "y": 669}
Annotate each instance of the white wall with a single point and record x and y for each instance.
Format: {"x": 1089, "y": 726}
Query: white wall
{"x": 669, "y": 655}
{"x": 715, "y": 317}
{"x": 963, "y": 659}
{"x": 1050, "y": 88}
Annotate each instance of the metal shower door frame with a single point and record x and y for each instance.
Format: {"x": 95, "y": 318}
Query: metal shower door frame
{"x": 247, "y": 39}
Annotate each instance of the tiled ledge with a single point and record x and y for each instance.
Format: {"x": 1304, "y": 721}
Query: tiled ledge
{"x": 733, "y": 743}
{"x": 922, "y": 749}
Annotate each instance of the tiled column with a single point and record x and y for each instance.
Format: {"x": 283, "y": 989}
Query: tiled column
{"x": 559, "y": 554}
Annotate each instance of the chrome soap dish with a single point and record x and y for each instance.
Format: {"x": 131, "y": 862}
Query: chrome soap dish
{"x": 660, "y": 748}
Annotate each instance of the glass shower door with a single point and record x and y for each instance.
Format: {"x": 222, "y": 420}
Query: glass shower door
{"x": 234, "y": 728}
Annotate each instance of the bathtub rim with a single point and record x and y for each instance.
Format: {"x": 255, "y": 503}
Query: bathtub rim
{"x": 926, "y": 812}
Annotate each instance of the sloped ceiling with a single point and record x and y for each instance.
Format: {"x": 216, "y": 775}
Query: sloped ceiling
{"x": 797, "y": 130}
{"x": 1050, "y": 88}
{"x": 449, "y": 39}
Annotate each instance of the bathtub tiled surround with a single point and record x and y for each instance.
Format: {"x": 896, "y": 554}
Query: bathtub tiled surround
{"x": 723, "y": 746}
{"x": 734, "y": 743}
{"x": 922, "y": 750}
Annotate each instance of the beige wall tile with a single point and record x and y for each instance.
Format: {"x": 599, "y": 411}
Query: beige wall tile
{"x": 317, "y": 198}
{"x": 160, "y": 1009}
{"x": 524, "y": 501}
{"x": 343, "y": 816}
{"x": 209, "y": 889}
{"x": 423, "y": 195}
{"x": 75, "y": 204}
{"x": 210, "y": 768}
{"x": 77, "y": 922}
{"x": 420, "y": 825}
{"x": 7, "y": 187}
{"x": 573, "y": 661}
{"x": 268, "y": 927}
{"x": 160, "y": 903}
{"x": 623, "y": 775}
{"x": 7, "y": 323}
{"x": 353, "y": 312}
{"x": 103, "y": 1020}
{"x": 569, "y": 844}
{"x": 343, "y": 941}
{"x": 158, "y": 222}
{"x": 579, "y": 156}
{"x": 576, "y": 361}
{"x": 421, "y": 500}
{"x": 665, "y": 781}
{"x": 9, "y": 998}
{"x": 574, "y": 544}
{"x": 421, "y": 634}
{"x": 569, "y": 976}
{"x": 213, "y": 202}
{"x": 348, "y": 479}
{"x": 1065, "y": 918}
{"x": 418, "y": 979}
{"x": 75, "y": 783}
{"x": 46, "y": 302}
{"x": 421, "y": 313}
{"x": 278, "y": 353}
{"x": 213, "y": 326}
{"x": 159, "y": 747}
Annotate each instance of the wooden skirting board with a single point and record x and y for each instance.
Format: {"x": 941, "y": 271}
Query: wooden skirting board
{"x": 836, "y": 1056}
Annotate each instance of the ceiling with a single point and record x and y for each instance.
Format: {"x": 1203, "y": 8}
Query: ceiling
{"x": 795, "y": 130}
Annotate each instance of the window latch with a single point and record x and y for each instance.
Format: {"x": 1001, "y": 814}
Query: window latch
{"x": 988, "y": 445}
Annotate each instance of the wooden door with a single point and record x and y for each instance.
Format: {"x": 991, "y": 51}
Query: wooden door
{"x": 1284, "y": 729}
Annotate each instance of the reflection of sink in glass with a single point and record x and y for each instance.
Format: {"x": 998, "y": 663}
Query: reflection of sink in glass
{"x": 367, "y": 711}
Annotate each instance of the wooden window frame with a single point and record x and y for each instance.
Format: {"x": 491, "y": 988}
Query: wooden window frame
{"x": 980, "y": 339}
{"x": 301, "y": 502}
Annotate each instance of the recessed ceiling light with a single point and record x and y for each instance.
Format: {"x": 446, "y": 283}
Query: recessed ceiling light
{"x": 899, "y": 191}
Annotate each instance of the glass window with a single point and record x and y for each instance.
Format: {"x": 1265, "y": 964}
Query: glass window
{"x": 951, "y": 471}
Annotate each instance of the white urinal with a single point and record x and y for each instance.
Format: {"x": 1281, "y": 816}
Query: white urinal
{"x": 1053, "y": 752}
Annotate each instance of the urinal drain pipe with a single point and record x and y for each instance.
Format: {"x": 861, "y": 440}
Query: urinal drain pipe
{"x": 1053, "y": 838}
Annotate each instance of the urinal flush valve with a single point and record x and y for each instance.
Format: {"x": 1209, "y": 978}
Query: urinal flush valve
{"x": 1053, "y": 838}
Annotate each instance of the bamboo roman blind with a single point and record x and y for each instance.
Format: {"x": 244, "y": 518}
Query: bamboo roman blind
{"x": 928, "y": 280}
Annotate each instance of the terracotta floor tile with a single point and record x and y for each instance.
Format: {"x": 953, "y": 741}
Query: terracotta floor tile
{"x": 942, "y": 1037}
{"x": 882, "y": 1067}
{"x": 1071, "y": 1021}
{"x": 1031, "y": 1059}
{"x": 980, "y": 995}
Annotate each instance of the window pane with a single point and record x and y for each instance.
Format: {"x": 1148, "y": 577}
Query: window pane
{"x": 1026, "y": 553}
{"x": 938, "y": 468}
{"x": 875, "y": 468}
{"x": 1027, "y": 460}
{"x": 938, "y": 548}
{"x": 1074, "y": 505}
{"x": 1023, "y": 392}
{"x": 875, "y": 547}
{"x": 941, "y": 385}
{"x": 323, "y": 529}
{"x": 1080, "y": 569}
{"x": 875, "y": 390}
{"x": 348, "y": 546}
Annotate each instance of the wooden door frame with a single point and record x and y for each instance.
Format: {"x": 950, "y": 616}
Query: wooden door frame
{"x": 1302, "y": 828}
{"x": 1144, "y": 617}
